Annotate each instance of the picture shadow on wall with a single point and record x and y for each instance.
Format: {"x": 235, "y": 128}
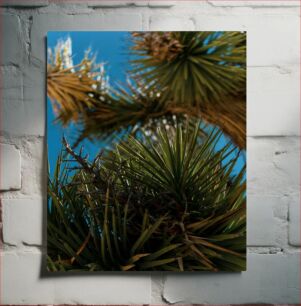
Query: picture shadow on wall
{"x": 146, "y": 144}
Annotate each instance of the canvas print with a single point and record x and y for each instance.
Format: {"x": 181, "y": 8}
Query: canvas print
{"x": 146, "y": 140}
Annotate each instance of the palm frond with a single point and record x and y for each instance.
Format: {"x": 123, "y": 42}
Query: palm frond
{"x": 203, "y": 71}
{"x": 168, "y": 205}
{"x": 73, "y": 88}
{"x": 206, "y": 67}
{"x": 199, "y": 74}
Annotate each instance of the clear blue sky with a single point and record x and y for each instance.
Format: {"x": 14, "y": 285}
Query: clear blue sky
{"x": 111, "y": 48}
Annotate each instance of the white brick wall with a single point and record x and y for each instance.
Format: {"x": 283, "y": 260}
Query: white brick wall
{"x": 273, "y": 153}
{"x": 10, "y": 172}
{"x": 253, "y": 3}
{"x": 170, "y": 23}
{"x": 294, "y": 220}
{"x": 23, "y": 3}
{"x": 23, "y": 219}
{"x": 24, "y": 283}
{"x": 270, "y": 279}
{"x": 12, "y": 45}
{"x": 267, "y": 118}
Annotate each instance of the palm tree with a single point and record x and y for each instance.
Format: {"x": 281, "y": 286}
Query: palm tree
{"x": 167, "y": 205}
{"x": 165, "y": 197}
{"x": 201, "y": 74}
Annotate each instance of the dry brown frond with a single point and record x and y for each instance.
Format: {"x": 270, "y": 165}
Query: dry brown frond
{"x": 160, "y": 45}
{"x": 73, "y": 88}
{"x": 80, "y": 94}
{"x": 106, "y": 119}
{"x": 230, "y": 117}
{"x": 70, "y": 93}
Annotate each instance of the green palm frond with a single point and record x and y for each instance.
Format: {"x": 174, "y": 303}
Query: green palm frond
{"x": 124, "y": 109}
{"x": 169, "y": 205}
{"x": 195, "y": 74}
{"x": 204, "y": 72}
{"x": 180, "y": 168}
{"x": 206, "y": 66}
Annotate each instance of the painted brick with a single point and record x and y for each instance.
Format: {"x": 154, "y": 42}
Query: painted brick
{"x": 269, "y": 279}
{"x": 12, "y": 95}
{"x": 34, "y": 82}
{"x": 21, "y": 280}
{"x": 260, "y": 219}
{"x": 95, "y": 22}
{"x": 11, "y": 84}
{"x": 24, "y": 3}
{"x": 157, "y": 287}
{"x": 251, "y": 3}
{"x": 273, "y": 165}
{"x": 12, "y": 46}
{"x": 23, "y": 283}
{"x": 10, "y": 171}
{"x": 23, "y": 221}
{"x": 117, "y": 3}
{"x": 272, "y": 38}
{"x": 273, "y": 101}
{"x": 294, "y": 220}
{"x": 125, "y": 3}
{"x": 170, "y": 23}
{"x": 23, "y": 100}
{"x": 162, "y": 3}
{"x": 34, "y": 166}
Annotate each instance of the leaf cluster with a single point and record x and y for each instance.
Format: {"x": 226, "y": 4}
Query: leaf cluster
{"x": 199, "y": 74}
{"x": 169, "y": 205}
{"x": 207, "y": 68}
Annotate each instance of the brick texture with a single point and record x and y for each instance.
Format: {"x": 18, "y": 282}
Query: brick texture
{"x": 24, "y": 283}
{"x": 10, "y": 172}
{"x": 24, "y": 3}
{"x": 273, "y": 152}
{"x": 23, "y": 213}
{"x": 12, "y": 46}
{"x": 294, "y": 220}
{"x": 269, "y": 279}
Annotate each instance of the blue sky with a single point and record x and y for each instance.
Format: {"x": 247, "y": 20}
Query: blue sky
{"x": 110, "y": 48}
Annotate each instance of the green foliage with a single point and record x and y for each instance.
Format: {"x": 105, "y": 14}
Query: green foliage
{"x": 192, "y": 68}
{"x": 168, "y": 204}
{"x": 165, "y": 198}
{"x": 195, "y": 74}
{"x": 201, "y": 74}
{"x": 129, "y": 109}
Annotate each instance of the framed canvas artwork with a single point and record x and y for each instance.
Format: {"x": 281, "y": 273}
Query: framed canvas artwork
{"x": 146, "y": 137}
